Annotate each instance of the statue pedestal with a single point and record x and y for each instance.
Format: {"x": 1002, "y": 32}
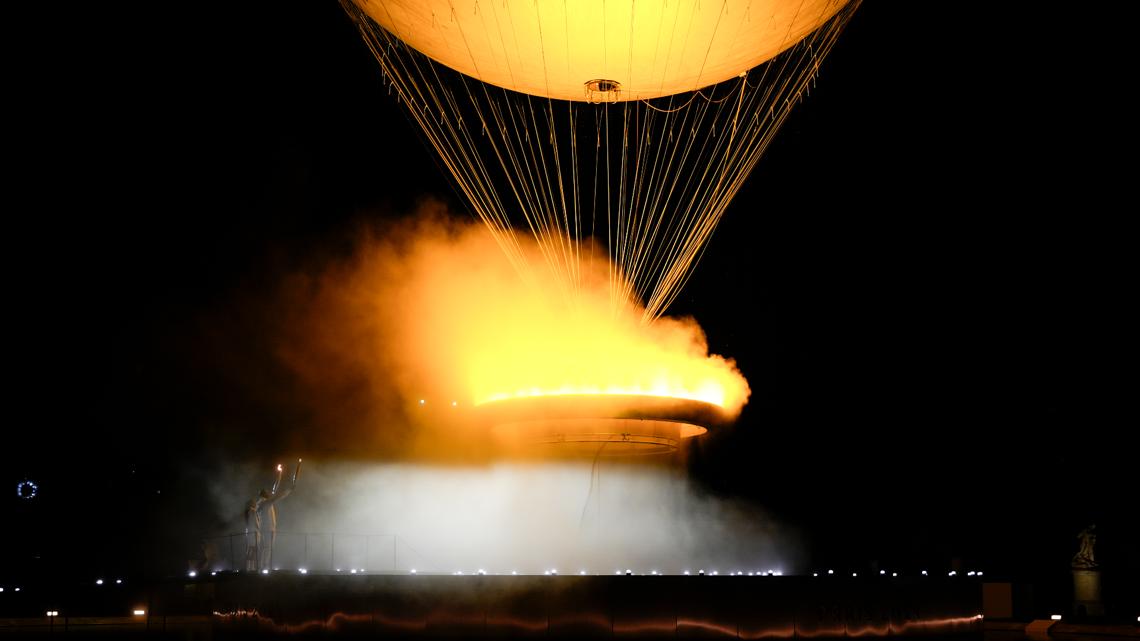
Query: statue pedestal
{"x": 1086, "y": 593}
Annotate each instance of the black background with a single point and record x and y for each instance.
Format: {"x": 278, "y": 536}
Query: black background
{"x": 925, "y": 280}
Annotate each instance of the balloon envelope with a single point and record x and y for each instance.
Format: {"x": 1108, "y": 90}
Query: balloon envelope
{"x": 554, "y": 48}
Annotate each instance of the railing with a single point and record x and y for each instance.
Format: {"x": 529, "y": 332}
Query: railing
{"x": 316, "y": 551}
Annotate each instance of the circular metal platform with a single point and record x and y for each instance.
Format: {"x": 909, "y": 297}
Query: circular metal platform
{"x": 598, "y": 424}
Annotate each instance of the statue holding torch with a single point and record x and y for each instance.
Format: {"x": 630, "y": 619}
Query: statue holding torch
{"x": 258, "y": 551}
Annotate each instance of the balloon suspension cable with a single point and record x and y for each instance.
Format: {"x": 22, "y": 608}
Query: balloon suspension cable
{"x": 662, "y": 174}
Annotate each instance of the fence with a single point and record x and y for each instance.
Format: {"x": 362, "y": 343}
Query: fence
{"x": 318, "y": 552}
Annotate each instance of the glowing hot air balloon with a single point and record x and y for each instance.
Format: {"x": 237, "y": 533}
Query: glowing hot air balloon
{"x": 601, "y": 49}
{"x": 616, "y": 126}
{"x": 633, "y": 123}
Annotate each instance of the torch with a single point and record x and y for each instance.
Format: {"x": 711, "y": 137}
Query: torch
{"x": 277, "y": 481}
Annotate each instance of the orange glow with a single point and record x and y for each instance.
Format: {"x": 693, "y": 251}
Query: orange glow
{"x": 541, "y": 349}
{"x": 708, "y": 626}
{"x": 504, "y": 338}
{"x": 432, "y": 314}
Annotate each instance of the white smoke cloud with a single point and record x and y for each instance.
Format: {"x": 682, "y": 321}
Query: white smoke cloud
{"x": 526, "y": 517}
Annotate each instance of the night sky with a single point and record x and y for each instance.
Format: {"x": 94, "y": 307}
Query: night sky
{"x": 924, "y": 280}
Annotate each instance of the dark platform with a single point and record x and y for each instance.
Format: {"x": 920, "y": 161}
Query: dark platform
{"x": 246, "y": 606}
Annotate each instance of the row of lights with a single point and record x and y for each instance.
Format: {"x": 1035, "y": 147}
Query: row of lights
{"x": 924, "y": 573}
{"x": 138, "y": 612}
{"x": 193, "y": 574}
{"x": 554, "y": 572}
{"x": 550, "y": 572}
{"x": 424, "y": 402}
{"x": 15, "y": 589}
{"x": 627, "y": 572}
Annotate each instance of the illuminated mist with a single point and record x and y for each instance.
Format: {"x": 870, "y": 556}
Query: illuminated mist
{"x": 525, "y": 517}
{"x": 388, "y": 351}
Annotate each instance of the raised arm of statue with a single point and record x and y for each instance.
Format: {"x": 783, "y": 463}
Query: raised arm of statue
{"x": 279, "y": 494}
